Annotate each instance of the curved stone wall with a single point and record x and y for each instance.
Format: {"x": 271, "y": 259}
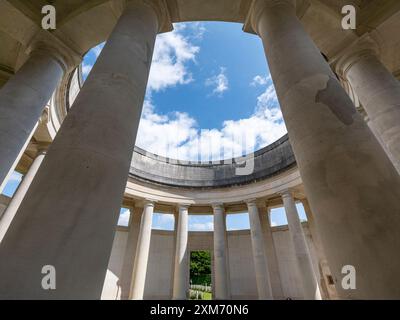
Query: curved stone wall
{"x": 263, "y": 164}
{"x": 241, "y": 265}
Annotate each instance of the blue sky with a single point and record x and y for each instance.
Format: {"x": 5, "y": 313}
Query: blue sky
{"x": 237, "y": 221}
{"x": 209, "y": 97}
{"x": 12, "y": 184}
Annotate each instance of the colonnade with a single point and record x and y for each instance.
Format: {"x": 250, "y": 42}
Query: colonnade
{"x": 350, "y": 182}
{"x": 377, "y": 89}
{"x": 265, "y": 272}
{"x": 70, "y": 208}
{"x": 73, "y": 202}
{"x": 24, "y": 96}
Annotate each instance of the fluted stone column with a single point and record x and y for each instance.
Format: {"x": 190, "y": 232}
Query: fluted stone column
{"x": 303, "y": 257}
{"x": 142, "y": 252}
{"x": 270, "y": 253}
{"x": 351, "y": 184}
{"x": 130, "y": 252}
{"x": 379, "y": 93}
{"x": 220, "y": 254}
{"x": 181, "y": 281}
{"x": 23, "y": 98}
{"x": 19, "y": 195}
{"x": 69, "y": 214}
{"x": 260, "y": 261}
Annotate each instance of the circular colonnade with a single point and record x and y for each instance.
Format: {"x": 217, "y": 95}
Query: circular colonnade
{"x": 346, "y": 160}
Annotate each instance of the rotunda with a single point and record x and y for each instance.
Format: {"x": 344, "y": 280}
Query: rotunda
{"x": 74, "y": 142}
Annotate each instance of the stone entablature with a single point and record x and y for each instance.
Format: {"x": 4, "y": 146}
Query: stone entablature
{"x": 268, "y": 162}
{"x": 84, "y": 173}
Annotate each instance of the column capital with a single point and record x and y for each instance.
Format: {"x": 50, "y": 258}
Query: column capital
{"x": 363, "y": 46}
{"x": 262, "y": 205}
{"x": 46, "y": 43}
{"x": 161, "y": 9}
{"x": 252, "y": 202}
{"x": 256, "y": 9}
{"x": 286, "y": 193}
{"x": 182, "y": 206}
{"x": 42, "y": 148}
{"x": 148, "y": 203}
{"x": 217, "y": 205}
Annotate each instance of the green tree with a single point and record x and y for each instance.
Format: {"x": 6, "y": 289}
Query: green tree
{"x": 200, "y": 263}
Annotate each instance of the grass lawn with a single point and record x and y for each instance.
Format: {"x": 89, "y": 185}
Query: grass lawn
{"x": 202, "y": 295}
{"x": 207, "y": 296}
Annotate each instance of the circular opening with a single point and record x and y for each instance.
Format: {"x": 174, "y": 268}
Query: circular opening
{"x": 209, "y": 97}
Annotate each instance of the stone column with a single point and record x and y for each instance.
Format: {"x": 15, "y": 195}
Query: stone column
{"x": 328, "y": 289}
{"x": 304, "y": 262}
{"x": 260, "y": 261}
{"x": 130, "y": 252}
{"x": 228, "y": 274}
{"x": 142, "y": 252}
{"x": 351, "y": 184}
{"x": 24, "y": 96}
{"x": 175, "y": 233}
{"x": 378, "y": 91}
{"x": 181, "y": 283}
{"x": 220, "y": 254}
{"x": 19, "y": 195}
{"x": 18, "y": 159}
{"x": 69, "y": 214}
{"x": 270, "y": 253}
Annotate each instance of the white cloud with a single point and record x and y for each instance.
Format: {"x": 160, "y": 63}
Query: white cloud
{"x": 171, "y": 53}
{"x": 219, "y": 82}
{"x": 86, "y": 67}
{"x": 97, "y": 50}
{"x": 166, "y": 218}
{"x": 124, "y": 217}
{"x": 15, "y": 177}
{"x": 260, "y": 80}
{"x": 163, "y": 221}
{"x": 177, "y": 135}
{"x": 198, "y": 30}
{"x": 201, "y": 223}
{"x": 198, "y": 226}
